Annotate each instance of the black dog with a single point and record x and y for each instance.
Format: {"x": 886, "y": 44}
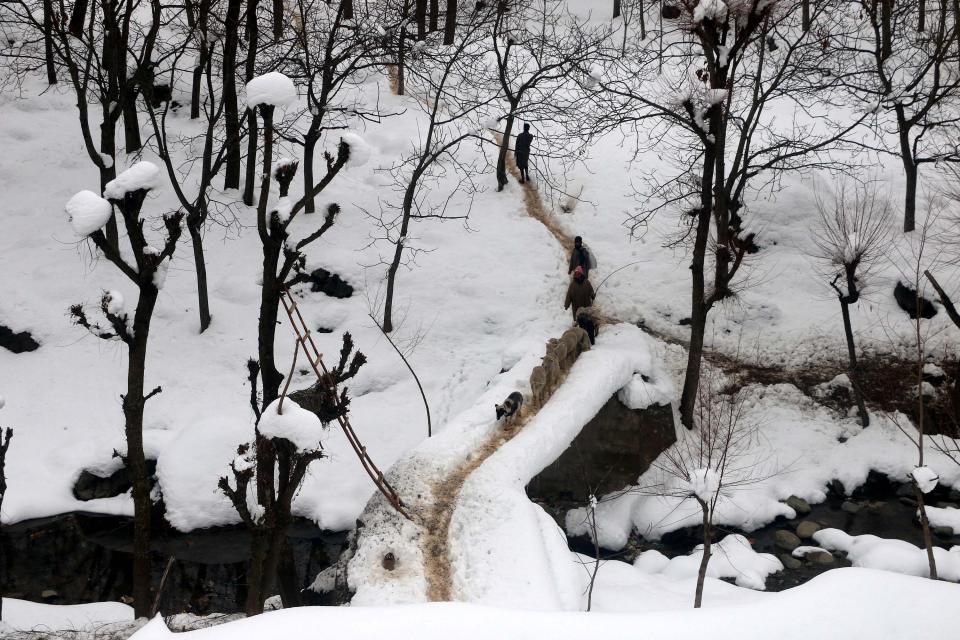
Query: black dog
{"x": 510, "y": 406}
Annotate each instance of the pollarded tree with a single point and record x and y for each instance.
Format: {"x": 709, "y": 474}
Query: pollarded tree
{"x": 850, "y": 239}
{"x": 725, "y": 67}
{"x": 145, "y": 266}
{"x": 908, "y": 78}
{"x": 283, "y": 257}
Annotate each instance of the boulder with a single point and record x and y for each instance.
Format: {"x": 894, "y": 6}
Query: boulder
{"x": 850, "y": 507}
{"x": 789, "y": 561}
{"x": 914, "y": 305}
{"x": 786, "y": 539}
{"x": 820, "y": 557}
{"x": 801, "y": 506}
{"x": 806, "y": 529}
{"x": 943, "y": 532}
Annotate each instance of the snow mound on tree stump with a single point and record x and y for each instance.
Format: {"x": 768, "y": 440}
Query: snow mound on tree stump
{"x": 272, "y": 88}
{"x": 141, "y": 176}
{"x": 88, "y": 212}
{"x": 291, "y": 422}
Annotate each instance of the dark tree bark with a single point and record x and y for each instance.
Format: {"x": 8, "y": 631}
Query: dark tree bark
{"x": 705, "y": 560}
{"x": 231, "y": 176}
{"x": 805, "y": 17}
{"x": 434, "y": 14}
{"x": 203, "y": 55}
{"x": 616, "y": 9}
{"x": 48, "y": 41}
{"x": 5, "y": 436}
{"x": 886, "y": 28}
{"x": 420, "y": 11}
{"x": 347, "y": 9}
{"x": 504, "y": 148}
{"x": 133, "y": 403}
{"x": 253, "y": 36}
{"x": 450, "y": 22}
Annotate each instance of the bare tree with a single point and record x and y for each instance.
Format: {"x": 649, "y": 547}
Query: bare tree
{"x": 331, "y": 54}
{"x": 145, "y": 267}
{"x": 919, "y": 254}
{"x": 908, "y": 79}
{"x": 712, "y": 462}
{"x": 726, "y": 65}
{"x": 850, "y": 240}
{"x": 537, "y": 47}
{"x": 453, "y": 106}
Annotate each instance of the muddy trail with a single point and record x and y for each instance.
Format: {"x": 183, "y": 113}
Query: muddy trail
{"x": 447, "y": 491}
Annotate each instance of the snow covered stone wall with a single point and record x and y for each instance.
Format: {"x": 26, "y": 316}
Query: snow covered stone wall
{"x": 503, "y": 548}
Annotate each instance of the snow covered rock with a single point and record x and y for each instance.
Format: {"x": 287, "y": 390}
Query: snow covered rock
{"x": 291, "y": 422}
{"x": 88, "y": 212}
{"x": 873, "y": 552}
{"x": 732, "y": 557}
{"x": 141, "y": 176}
{"x": 273, "y": 89}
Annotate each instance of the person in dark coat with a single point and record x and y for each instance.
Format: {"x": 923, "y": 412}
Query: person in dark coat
{"x": 579, "y": 257}
{"x": 580, "y": 293}
{"x": 521, "y": 152}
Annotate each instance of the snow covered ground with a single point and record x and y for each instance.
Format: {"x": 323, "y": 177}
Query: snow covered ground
{"x": 465, "y": 304}
{"x": 478, "y": 305}
{"x": 853, "y": 604}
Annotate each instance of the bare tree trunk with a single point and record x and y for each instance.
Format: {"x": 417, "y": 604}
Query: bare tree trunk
{"x": 203, "y": 297}
{"x": 450, "y": 22}
{"x": 310, "y": 140}
{"x": 231, "y": 176}
{"x": 910, "y": 195}
{"x": 131, "y": 121}
{"x": 108, "y": 149}
{"x": 253, "y": 35}
{"x": 48, "y": 41}
{"x": 921, "y": 15}
{"x": 504, "y": 148}
{"x": 434, "y": 14}
{"x": 287, "y": 579}
{"x": 705, "y": 560}
{"x": 925, "y": 527}
{"x": 402, "y": 31}
{"x": 255, "y": 572}
{"x": 886, "y": 28}
{"x": 397, "y": 255}
{"x": 643, "y": 21}
{"x": 347, "y": 9}
{"x": 133, "y": 404}
{"x": 616, "y": 9}
{"x": 698, "y": 302}
{"x": 854, "y": 369}
{"x": 202, "y": 57}
{"x": 420, "y": 14}
{"x": 805, "y": 17}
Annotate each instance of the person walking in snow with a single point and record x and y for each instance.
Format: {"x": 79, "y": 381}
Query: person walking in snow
{"x": 579, "y": 257}
{"x": 580, "y": 293}
{"x": 521, "y": 152}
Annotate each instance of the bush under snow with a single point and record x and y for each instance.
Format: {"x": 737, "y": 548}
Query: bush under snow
{"x": 359, "y": 150}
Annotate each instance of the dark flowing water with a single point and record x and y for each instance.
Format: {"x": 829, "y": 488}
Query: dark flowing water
{"x": 77, "y": 558}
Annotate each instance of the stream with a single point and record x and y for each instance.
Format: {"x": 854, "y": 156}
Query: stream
{"x": 81, "y": 557}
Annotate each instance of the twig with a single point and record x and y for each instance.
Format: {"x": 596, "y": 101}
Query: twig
{"x": 412, "y": 372}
